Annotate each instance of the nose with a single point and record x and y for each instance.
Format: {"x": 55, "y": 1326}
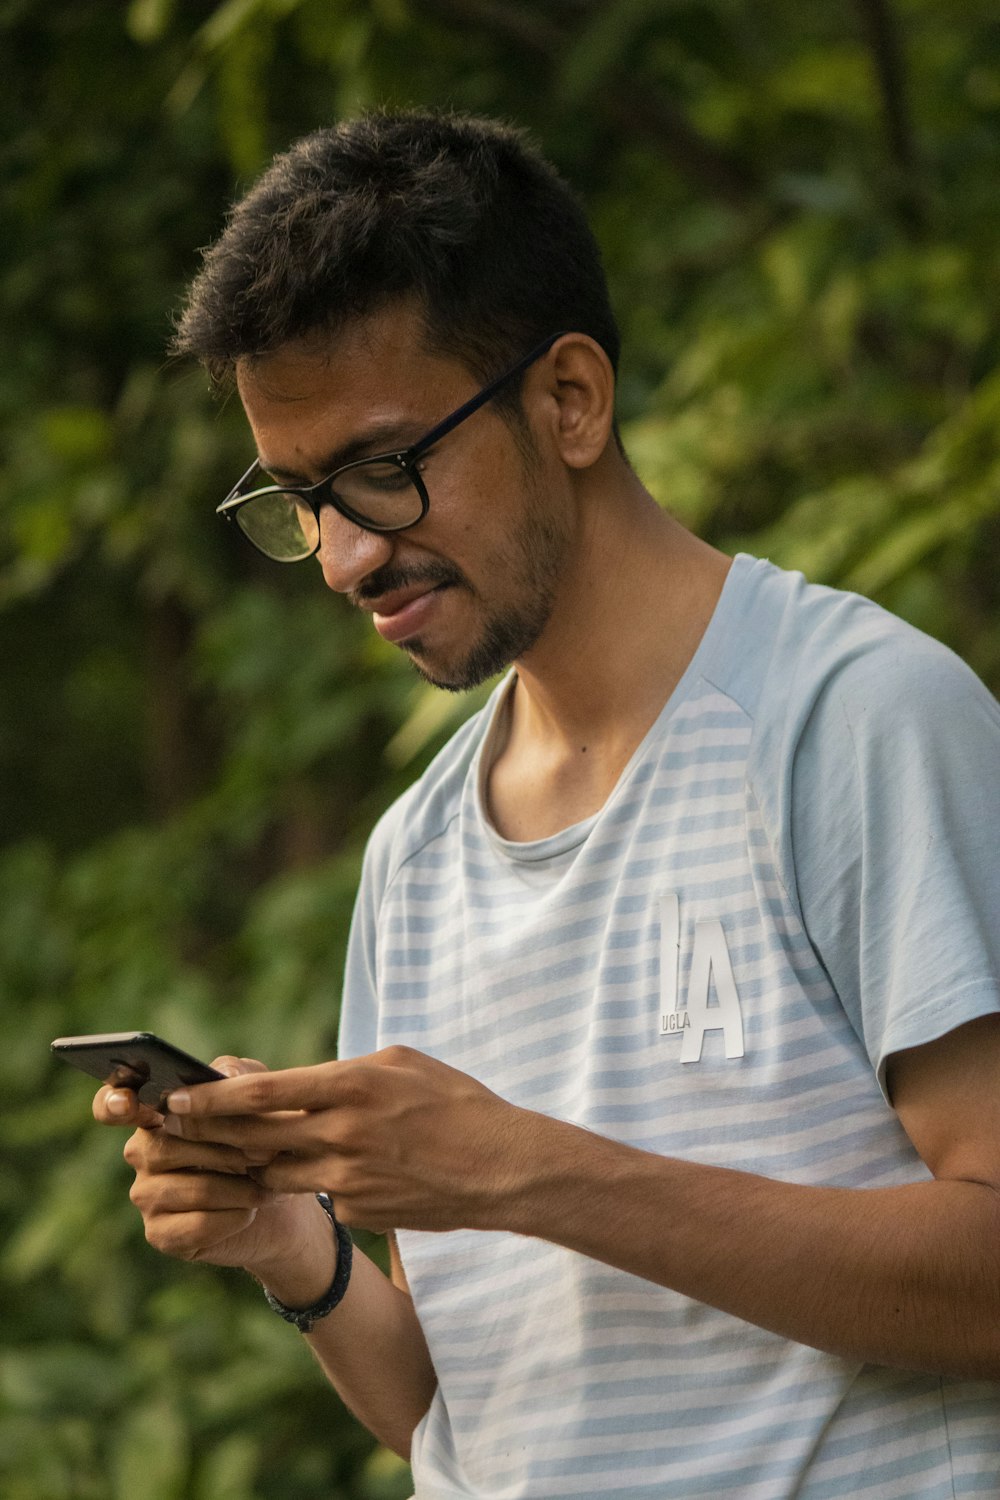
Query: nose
{"x": 348, "y": 553}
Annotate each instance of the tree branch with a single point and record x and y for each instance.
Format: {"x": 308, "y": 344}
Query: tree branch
{"x": 695, "y": 156}
{"x": 639, "y": 111}
{"x": 882, "y": 35}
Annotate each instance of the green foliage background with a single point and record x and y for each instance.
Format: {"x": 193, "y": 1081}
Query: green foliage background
{"x": 796, "y": 201}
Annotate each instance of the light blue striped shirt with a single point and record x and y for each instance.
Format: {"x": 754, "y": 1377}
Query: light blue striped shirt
{"x": 795, "y": 877}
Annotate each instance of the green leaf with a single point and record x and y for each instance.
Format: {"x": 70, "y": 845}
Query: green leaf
{"x": 150, "y": 1452}
{"x": 386, "y": 1476}
{"x": 62, "y": 1378}
{"x": 148, "y": 21}
{"x": 228, "y": 1471}
{"x": 600, "y": 47}
{"x": 79, "y": 434}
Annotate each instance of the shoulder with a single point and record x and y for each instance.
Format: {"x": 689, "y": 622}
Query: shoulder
{"x": 854, "y": 713}
{"x": 896, "y": 694}
{"x": 824, "y": 654}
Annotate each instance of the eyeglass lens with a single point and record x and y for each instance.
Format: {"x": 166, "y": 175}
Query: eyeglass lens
{"x": 281, "y": 525}
{"x": 285, "y": 527}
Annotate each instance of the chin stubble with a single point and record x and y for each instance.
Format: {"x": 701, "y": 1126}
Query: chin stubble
{"x": 530, "y": 565}
{"x": 504, "y": 638}
{"x": 534, "y": 564}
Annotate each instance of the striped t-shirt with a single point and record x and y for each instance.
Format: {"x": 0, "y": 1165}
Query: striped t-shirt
{"x": 795, "y": 877}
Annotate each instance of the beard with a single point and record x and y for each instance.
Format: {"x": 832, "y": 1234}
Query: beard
{"x": 505, "y": 635}
{"x": 527, "y": 570}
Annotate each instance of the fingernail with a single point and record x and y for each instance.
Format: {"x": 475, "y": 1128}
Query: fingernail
{"x": 117, "y": 1104}
{"x": 179, "y": 1102}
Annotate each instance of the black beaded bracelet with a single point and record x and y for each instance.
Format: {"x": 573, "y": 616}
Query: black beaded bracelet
{"x": 305, "y": 1317}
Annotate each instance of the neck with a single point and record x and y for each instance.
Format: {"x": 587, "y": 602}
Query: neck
{"x": 632, "y": 607}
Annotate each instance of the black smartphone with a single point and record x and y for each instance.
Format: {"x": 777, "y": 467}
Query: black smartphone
{"x": 135, "y": 1060}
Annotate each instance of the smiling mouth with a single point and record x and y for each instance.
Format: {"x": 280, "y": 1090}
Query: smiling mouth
{"x": 399, "y": 617}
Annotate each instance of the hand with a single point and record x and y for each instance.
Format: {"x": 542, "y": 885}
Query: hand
{"x": 398, "y": 1139}
{"x": 198, "y": 1202}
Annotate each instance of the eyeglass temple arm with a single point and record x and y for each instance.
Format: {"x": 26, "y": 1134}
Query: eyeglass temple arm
{"x": 480, "y": 399}
{"x": 237, "y": 488}
{"x": 442, "y": 429}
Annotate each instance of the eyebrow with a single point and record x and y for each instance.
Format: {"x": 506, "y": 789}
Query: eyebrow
{"x": 385, "y": 437}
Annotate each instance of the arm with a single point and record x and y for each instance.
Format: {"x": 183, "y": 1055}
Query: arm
{"x": 199, "y": 1203}
{"x": 371, "y": 1347}
{"x": 905, "y": 1276}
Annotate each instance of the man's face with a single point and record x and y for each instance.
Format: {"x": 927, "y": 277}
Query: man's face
{"x": 470, "y": 588}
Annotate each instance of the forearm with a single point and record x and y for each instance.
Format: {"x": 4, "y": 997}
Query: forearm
{"x": 907, "y": 1277}
{"x": 371, "y": 1347}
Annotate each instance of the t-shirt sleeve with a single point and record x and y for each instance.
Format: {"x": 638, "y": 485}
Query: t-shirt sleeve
{"x": 359, "y": 1007}
{"x": 895, "y": 830}
{"x": 359, "y": 1004}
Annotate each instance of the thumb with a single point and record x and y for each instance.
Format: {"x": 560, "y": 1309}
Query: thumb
{"x": 116, "y": 1105}
{"x": 232, "y": 1067}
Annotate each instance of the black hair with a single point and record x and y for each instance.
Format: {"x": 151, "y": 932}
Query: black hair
{"x": 460, "y": 213}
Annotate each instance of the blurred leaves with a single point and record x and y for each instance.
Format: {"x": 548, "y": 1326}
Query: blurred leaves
{"x": 798, "y": 220}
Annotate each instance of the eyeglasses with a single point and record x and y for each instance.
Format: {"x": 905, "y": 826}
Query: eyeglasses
{"x": 383, "y": 493}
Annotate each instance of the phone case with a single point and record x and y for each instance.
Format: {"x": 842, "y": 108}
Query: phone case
{"x": 135, "y": 1059}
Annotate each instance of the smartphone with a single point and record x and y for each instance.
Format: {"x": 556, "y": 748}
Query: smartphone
{"x": 135, "y": 1060}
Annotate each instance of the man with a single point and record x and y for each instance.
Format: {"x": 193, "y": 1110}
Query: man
{"x": 670, "y": 1036}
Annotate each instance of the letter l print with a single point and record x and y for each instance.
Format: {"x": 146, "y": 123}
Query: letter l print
{"x": 709, "y": 961}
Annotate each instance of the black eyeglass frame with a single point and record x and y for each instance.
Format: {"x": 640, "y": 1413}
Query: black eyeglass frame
{"x": 323, "y": 493}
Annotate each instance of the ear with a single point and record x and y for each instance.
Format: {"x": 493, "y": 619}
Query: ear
{"x": 578, "y": 386}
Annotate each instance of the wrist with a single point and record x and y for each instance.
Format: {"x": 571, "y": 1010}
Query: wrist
{"x": 300, "y": 1274}
{"x": 567, "y": 1180}
{"x": 541, "y": 1160}
{"x": 305, "y": 1318}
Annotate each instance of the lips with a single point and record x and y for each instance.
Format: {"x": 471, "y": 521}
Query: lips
{"x": 400, "y": 615}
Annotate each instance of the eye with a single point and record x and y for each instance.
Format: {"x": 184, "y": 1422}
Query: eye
{"x": 383, "y": 478}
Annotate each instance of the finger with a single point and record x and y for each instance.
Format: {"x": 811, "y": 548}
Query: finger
{"x": 358, "y": 1203}
{"x": 118, "y": 1106}
{"x": 157, "y": 1152}
{"x": 189, "y": 1192}
{"x": 196, "y": 1235}
{"x": 316, "y": 1087}
{"x": 258, "y": 1137}
{"x": 289, "y": 1174}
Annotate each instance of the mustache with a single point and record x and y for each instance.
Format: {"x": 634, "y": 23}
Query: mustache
{"x": 392, "y": 577}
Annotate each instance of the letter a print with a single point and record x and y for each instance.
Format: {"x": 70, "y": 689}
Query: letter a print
{"x": 711, "y": 961}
